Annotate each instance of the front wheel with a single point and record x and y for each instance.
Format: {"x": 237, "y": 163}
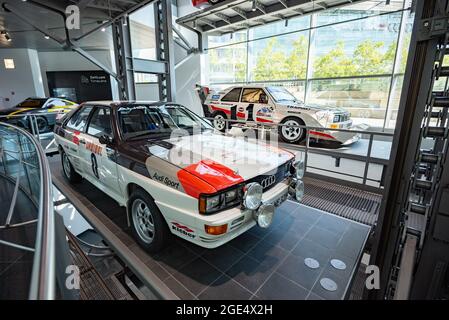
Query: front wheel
{"x": 148, "y": 225}
{"x": 290, "y": 132}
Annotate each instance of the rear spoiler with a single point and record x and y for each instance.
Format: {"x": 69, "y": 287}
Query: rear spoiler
{"x": 203, "y": 92}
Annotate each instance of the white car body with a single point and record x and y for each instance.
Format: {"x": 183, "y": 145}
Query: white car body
{"x": 175, "y": 183}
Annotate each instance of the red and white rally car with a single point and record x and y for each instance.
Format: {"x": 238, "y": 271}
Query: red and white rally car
{"x": 272, "y": 105}
{"x": 174, "y": 173}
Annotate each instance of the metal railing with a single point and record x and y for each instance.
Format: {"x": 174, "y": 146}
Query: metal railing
{"x": 32, "y": 158}
{"x": 313, "y": 145}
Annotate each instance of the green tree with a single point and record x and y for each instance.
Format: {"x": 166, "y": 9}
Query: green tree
{"x": 368, "y": 58}
{"x": 334, "y": 64}
{"x": 297, "y": 59}
{"x": 271, "y": 63}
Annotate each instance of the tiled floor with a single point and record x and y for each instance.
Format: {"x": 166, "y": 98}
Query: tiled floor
{"x": 260, "y": 264}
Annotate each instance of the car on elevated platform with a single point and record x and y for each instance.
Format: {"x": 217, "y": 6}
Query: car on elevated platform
{"x": 275, "y": 106}
{"x": 174, "y": 172}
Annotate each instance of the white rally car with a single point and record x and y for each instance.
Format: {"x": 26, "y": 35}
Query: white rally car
{"x": 174, "y": 173}
{"x": 271, "y": 105}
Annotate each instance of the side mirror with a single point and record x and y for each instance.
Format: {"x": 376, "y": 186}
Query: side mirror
{"x": 263, "y": 98}
{"x": 105, "y": 139}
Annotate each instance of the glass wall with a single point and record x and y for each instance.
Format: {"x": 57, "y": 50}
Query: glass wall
{"x": 352, "y": 57}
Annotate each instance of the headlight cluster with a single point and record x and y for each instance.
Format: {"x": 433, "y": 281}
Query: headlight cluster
{"x": 224, "y": 200}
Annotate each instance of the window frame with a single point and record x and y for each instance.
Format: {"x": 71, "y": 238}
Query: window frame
{"x": 90, "y": 119}
{"x": 65, "y": 125}
{"x": 239, "y": 98}
{"x": 255, "y": 88}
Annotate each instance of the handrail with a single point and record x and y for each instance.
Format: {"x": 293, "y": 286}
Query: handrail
{"x": 43, "y": 278}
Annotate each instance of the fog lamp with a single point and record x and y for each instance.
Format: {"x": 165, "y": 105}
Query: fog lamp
{"x": 252, "y": 197}
{"x": 264, "y": 216}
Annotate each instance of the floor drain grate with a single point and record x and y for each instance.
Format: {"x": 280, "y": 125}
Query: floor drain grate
{"x": 354, "y": 204}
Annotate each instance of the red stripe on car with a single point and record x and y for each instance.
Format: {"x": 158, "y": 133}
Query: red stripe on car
{"x": 180, "y": 226}
{"x": 321, "y": 134}
{"x": 220, "y": 109}
{"x": 215, "y": 177}
{"x": 241, "y": 115}
{"x": 264, "y": 120}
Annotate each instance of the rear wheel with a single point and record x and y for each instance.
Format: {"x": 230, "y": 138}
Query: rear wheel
{"x": 148, "y": 225}
{"x": 42, "y": 124}
{"x": 290, "y": 132}
{"x": 219, "y": 121}
{"x": 69, "y": 171}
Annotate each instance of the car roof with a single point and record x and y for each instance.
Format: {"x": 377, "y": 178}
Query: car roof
{"x": 116, "y": 103}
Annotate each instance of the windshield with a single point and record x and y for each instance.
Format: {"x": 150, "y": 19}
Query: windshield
{"x": 32, "y": 103}
{"x": 281, "y": 94}
{"x": 149, "y": 120}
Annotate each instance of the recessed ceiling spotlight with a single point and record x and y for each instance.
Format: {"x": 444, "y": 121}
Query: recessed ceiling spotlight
{"x": 47, "y": 37}
{"x": 254, "y": 7}
{"x": 103, "y": 29}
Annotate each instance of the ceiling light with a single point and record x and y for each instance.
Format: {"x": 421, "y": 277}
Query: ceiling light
{"x": 125, "y": 20}
{"x": 7, "y": 37}
{"x": 286, "y": 22}
{"x": 103, "y": 29}
{"x": 254, "y": 7}
{"x": 47, "y": 37}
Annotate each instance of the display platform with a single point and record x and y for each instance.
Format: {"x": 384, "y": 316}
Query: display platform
{"x": 305, "y": 254}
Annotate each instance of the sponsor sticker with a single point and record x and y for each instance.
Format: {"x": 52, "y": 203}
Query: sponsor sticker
{"x": 183, "y": 229}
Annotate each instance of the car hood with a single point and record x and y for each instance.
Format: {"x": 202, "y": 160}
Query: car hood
{"x": 211, "y": 154}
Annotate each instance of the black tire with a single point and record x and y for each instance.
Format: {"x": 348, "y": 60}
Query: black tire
{"x": 161, "y": 234}
{"x": 220, "y": 115}
{"x": 212, "y": 2}
{"x": 42, "y": 124}
{"x": 298, "y": 138}
{"x": 69, "y": 172}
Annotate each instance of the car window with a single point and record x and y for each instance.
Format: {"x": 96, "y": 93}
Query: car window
{"x": 32, "y": 103}
{"x": 79, "y": 119}
{"x": 255, "y": 95}
{"x": 233, "y": 95}
{"x": 100, "y": 123}
{"x": 139, "y": 120}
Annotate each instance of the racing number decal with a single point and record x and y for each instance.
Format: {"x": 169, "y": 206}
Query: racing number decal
{"x": 250, "y": 110}
{"x": 94, "y": 164}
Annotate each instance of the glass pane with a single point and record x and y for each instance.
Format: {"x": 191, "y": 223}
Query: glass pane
{"x": 356, "y": 11}
{"x": 296, "y": 88}
{"x": 366, "y": 99}
{"x": 279, "y": 58}
{"x": 143, "y": 35}
{"x": 228, "y": 64}
{"x": 394, "y": 102}
{"x": 405, "y": 44}
{"x": 279, "y": 27}
{"x": 362, "y": 47}
{"x": 226, "y": 39}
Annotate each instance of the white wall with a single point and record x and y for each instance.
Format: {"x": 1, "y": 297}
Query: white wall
{"x": 147, "y": 92}
{"x": 22, "y": 82}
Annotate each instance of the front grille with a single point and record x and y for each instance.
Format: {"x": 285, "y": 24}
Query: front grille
{"x": 280, "y": 173}
{"x": 341, "y": 118}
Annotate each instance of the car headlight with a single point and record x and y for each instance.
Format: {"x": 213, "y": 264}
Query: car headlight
{"x": 300, "y": 168}
{"x": 299, "y": 190}
{"x": 252, "y": 197}
{"x": 264, "y": 216}
{"x": 217, "y": 202}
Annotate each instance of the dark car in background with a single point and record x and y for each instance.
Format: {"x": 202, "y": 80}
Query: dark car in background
{"x": 45, "y": 111}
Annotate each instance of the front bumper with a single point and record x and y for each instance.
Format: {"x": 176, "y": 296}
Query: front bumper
{"x": 238, "y": 220}
{"x": 341, "y": 137}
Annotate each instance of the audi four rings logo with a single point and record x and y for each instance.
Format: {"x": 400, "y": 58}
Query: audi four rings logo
{"x": 265, "y": 183}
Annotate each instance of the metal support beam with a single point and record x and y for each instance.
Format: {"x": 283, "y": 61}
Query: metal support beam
{"x": 164, "y": 49}
{"x": 124, "y": 60}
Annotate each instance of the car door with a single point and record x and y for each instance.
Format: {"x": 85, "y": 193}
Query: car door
{"x": 231, "y": 104}
{"x": 256, "y": 104}
{"x": 99, "y": 158}
{"x": 74, "y": 130}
